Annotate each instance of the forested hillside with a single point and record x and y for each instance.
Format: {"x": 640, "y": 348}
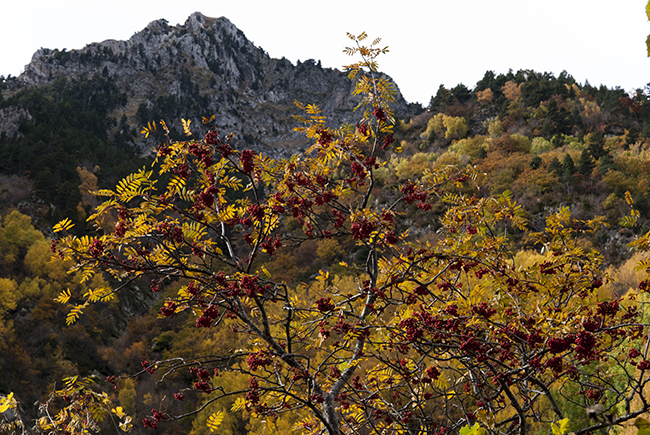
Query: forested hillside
{"x": 550, "y": 141}
{"x": 496, "y": 203}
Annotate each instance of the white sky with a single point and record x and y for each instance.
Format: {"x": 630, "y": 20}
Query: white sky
{"x": 431, "y": 42}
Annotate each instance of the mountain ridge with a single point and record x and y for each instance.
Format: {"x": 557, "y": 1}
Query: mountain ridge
{"x": 203, "y": 67}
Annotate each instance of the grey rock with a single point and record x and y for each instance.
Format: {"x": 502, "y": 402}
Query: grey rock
{"x": 10, "y": 118}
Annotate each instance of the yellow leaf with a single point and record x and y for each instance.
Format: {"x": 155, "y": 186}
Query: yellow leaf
{"x": 74, "y": 313}
{"x": 44, "y": 423}
{"x": 186, "y": 127}
{"x": 126, "y": 425}
{"x": 215, "y": 420}
{"x": 239, "y": 405}
{"x": 560, "y": 429}
{"x": 148, "y": 129}
{"x": 6, "y": 402}
{"x": 69, "y": 382}
{"x": 64, "y": 225}
{"x": 63, "y": 297}
{"x": 472, "y": 430}
{"x": 118, "y": 411}
{"x": 266, "y": 272}
{"x": 346, "y": 365}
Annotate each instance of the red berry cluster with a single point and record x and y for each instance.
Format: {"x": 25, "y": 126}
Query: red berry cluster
{"x": 413, "y": 193}
{"x": 212, "y": 137}
{"x": 164, "y": 150}
{"x": 183, "y": 171}
{"x": 96, "y": 248}
{"x": 644, "y": 285}
{"x": 411, "y": 329}
{"x": 324, "y": 137}
{"x": 271, "y": 245}
{"x": 205, "y": 320}
{"x": 146, "y": 365}
{"x": 120, "y": 229}
{"x": 149, "y": 423}
{"x": 158, "y": 416}
{"x": 484, "y": 310}
{"x": 379, "y": 114}
{"x": 112, "y": 380}
{"x": 362, "y": 228}
{"x": 608, "y": 308}
{"x": 202, "y": 153}
{"x": 205, "y": 198}
{"x": 171, "y": 231}
{"x": 169, "y": 309}
{"x": 204, "y": 377}
{"x": 253, "y": 395}
{"x": 246, "y": 159}
{"x": 335, "y": 373}
{"x": 261, "y": 358}
{"x": 585, "y": 343}
{"x": 325, "y": 305}
{"x": 559, "y": 345}
{"x": 643, "y": 365}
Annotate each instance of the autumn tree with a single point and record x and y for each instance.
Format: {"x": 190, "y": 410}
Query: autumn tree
{"x": 413, "y": 336}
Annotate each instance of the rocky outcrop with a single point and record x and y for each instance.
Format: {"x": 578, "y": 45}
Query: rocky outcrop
{"x": 206, "y": 67}
{"x": 10, "y": 118}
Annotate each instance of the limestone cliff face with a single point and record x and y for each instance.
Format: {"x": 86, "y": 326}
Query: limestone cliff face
{"x": 206, "y": 67}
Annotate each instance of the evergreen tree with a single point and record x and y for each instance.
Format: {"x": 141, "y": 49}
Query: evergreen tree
{"x": 596, "y": 144}
{"x": 535, "y": 162}
{"x": 555, "y": 167}
{"x": 487, "y": 82}
{"x": 586, "y": 163}
{"x": 645, "y": 131}
{"x": 442, "y": 98}
{"x": 461, "y": 93}
{"x": 568, "y": 169}
{"x": 605, "y": 164}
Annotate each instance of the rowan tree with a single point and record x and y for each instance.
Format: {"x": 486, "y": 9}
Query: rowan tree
{"x": 422, "y": 336}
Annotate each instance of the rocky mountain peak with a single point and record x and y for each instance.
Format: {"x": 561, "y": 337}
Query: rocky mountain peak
{"x": 203, "y": 67}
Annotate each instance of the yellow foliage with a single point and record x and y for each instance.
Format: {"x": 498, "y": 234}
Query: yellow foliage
{"x": 39, "y": 262}
{"x": 452, "y": 127}
{"x": 127, "y": 395}
{"x": 328, "y": 250}
{"x": 485, "y": 96}
{"x": 540, "y": 145}
{"x": 473, "y": 147}
{"x": 494, "y": 128}
{"x": 8, "y": 294}
{"x": 412, "y": 167}
{"x": 512, "y": 90}
{"x": 455, "y": 126}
